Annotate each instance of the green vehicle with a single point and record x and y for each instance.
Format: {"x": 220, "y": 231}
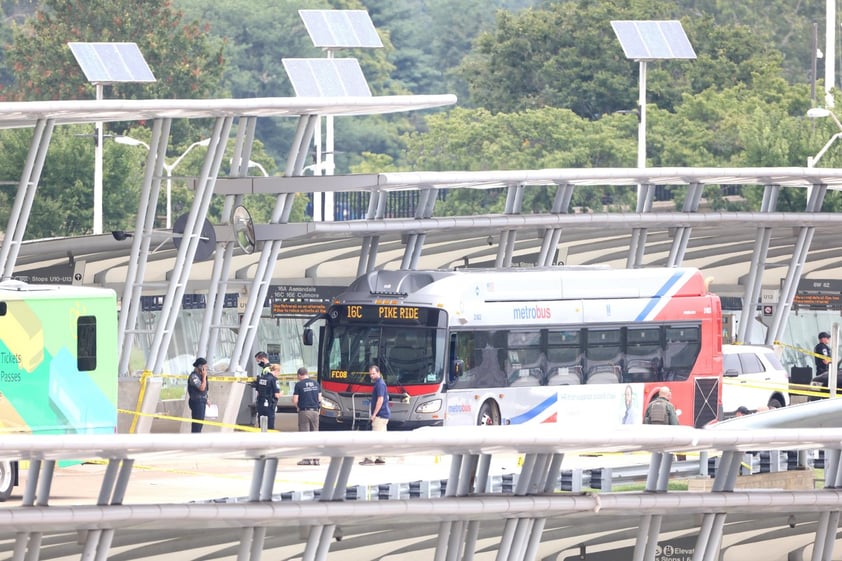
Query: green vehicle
{"x": 58, "y": 363}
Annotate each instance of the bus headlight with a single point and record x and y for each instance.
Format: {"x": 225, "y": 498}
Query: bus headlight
{"x": 329, "y": 404}
{"x": 429, "y": 406}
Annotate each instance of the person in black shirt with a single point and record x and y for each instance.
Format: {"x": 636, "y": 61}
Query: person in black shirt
{"x": 822, "y": 358}
{"x": 268, "y": 392}
{"x": 307, "y": 397}
{"x": 197, "y": 392}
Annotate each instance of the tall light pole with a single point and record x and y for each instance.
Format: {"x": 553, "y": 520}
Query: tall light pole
{"x": 820, "y": 113}
{"x": 168, "y": 168}
{"x": 105, "y": 64}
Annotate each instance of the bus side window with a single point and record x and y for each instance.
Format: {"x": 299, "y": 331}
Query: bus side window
{"x": 86, "y": 343}
{"x": 682, "y": 349}
{"x": 603, "y": 356}
{"x": 643, "y": 355}
{"x": 564, "y": 359}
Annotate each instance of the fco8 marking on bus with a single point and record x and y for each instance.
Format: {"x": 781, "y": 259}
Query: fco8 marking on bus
{"x": 58, "y": 363}
{"x": 580, "y": 345}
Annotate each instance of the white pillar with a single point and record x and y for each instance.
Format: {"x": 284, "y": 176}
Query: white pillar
{"x": 829, "y": 51}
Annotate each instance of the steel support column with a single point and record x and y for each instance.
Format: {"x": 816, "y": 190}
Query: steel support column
{"x": 758, "y": 265}
{"x": 796, "y": 265}
{"x": 22, "y": 206}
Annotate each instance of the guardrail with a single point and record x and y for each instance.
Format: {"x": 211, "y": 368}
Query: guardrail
{"x": 466, "y": 498}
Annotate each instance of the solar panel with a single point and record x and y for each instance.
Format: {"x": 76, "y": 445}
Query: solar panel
{"x": 326, "y": 77}
{"x": 653, "y": 40}
{"x": 340, "y": 28}
{"x": 111, "y": 62}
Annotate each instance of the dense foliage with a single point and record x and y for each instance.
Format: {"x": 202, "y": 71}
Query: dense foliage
{"x": 540, "y": 84}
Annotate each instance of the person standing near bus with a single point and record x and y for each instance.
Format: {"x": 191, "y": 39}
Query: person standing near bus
{"x": 307, "y": 397}
{"x": 822, "y": 358}
{"x": 661, "y": 411}
{"x": 268, "y": 392}
{"x": 197, "y": 392}
{"x": 380, "y": 411}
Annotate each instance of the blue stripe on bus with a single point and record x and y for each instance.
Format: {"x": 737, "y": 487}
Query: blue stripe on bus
{"x": 535, "y": 411}
{"x": 654, "y": 300}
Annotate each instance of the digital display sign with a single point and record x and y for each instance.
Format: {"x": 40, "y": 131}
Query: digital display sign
{"x": 387, "y": 313}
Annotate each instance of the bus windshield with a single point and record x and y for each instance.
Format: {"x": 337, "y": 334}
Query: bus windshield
{"x": 406, "y": 356}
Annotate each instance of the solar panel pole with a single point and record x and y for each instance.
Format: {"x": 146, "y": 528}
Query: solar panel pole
{"x": 641, "y": 124}
{"x": 328, "y": 167}
{"x": 107, "y": 63}
{"x": 98, "y": 169}
{"x": 829, "y": 52}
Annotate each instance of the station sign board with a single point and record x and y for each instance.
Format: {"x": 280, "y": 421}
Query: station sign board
{"x": 818, "y": 294}
{"x": 301, "y": 301}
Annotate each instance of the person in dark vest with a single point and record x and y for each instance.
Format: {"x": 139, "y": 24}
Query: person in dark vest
{"x": 268, "y": 392}
{"x": 307, "y": 398}
{"x": 197, "y": 392}
{"x": 661, "y": 411}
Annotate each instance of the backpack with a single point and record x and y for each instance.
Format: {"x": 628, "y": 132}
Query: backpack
{"x": 658, "y": 412}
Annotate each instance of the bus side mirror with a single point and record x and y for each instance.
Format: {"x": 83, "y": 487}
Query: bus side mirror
{"x": 731, "y": 373}
{"x": 307, "y": 337}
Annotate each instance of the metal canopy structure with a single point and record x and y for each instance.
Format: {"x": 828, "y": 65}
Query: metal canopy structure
{"x": 770, "y": 246}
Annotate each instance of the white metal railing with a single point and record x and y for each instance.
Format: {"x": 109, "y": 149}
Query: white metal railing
{"x": 466, "y": 501}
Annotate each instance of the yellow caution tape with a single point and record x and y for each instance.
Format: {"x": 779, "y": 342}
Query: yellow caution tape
{"x": 796, "y": 389}
{"x": 242, "y": 428}
{"x": 807, "y": 352}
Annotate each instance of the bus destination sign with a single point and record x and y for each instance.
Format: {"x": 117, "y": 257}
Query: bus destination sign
{"x": 386, "y": 314}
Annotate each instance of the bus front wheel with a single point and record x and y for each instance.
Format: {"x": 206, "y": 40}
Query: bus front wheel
{"x": 7, "y": 480}
{"x": 488, "y": 414}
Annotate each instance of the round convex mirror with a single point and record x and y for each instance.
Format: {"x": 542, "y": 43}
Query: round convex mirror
{"x": 243, "y": 229}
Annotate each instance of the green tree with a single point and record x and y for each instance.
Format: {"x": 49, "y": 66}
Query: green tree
{"x": 567, "y": 55}
{"x": 63, "y": 205}
{"x": 475, "y": 139}
{"x": 180, "y": 55}
{"x": 184, "y": 61}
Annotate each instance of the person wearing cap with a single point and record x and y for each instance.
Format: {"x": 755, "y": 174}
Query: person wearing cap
{"x": 268, "y": 392}
{"x": 822, "y": 356}
{"x": 197, "y": 392}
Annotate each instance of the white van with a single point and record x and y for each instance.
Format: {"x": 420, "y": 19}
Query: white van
{"x": 754, "y": 378}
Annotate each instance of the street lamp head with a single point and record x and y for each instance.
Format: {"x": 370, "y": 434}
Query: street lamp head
{"x": 129, "y": 141}
{"x": 818, "y": 113}
{"x": 204, "y": 142}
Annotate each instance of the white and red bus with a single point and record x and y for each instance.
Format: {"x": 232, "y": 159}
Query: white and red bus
{"x": 515, "y": 346}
